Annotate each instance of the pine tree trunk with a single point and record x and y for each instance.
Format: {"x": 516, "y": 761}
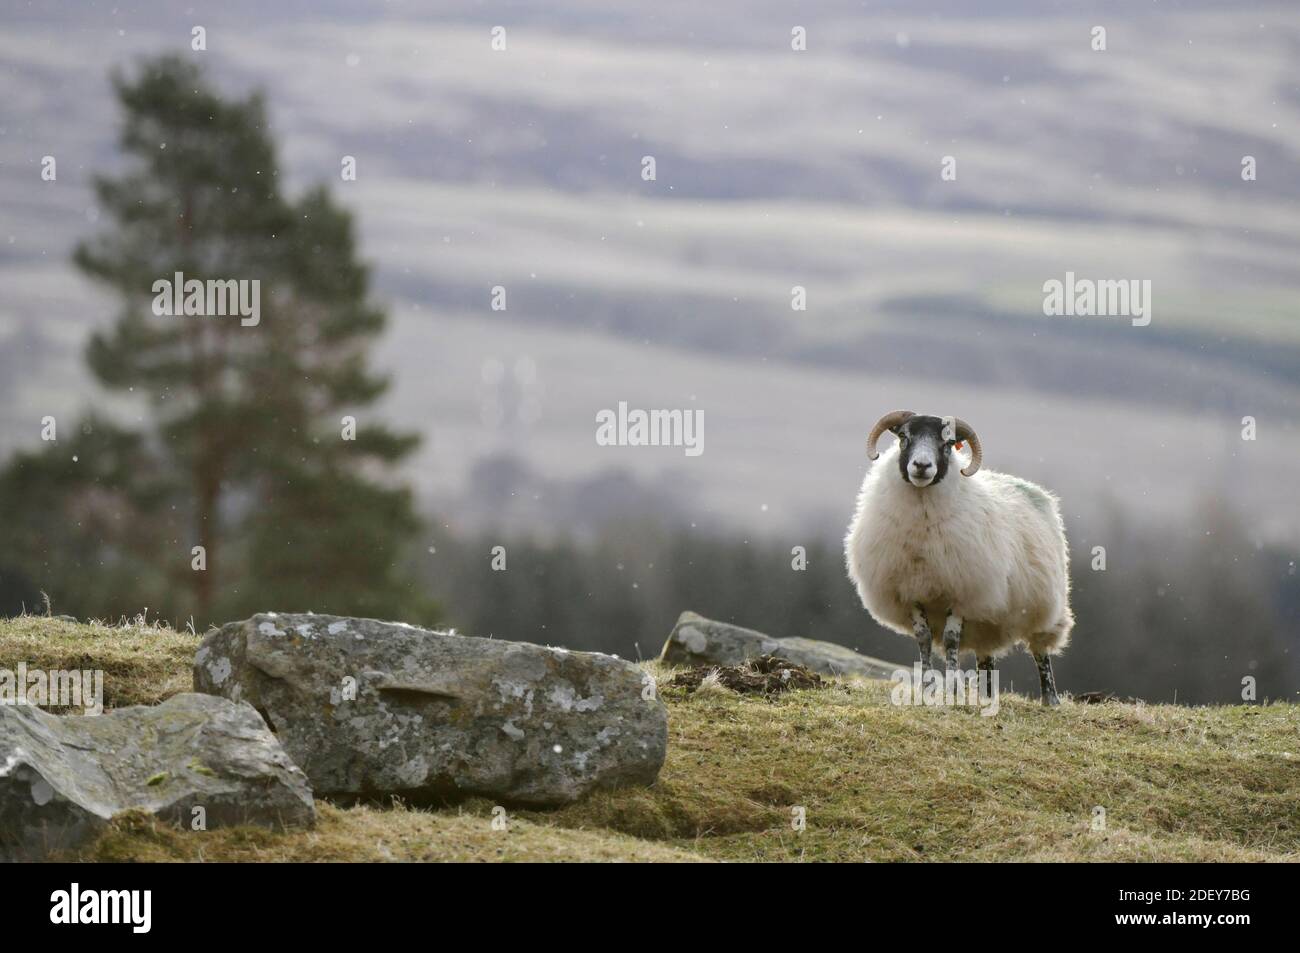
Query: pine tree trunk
{"x": 206, "y": 532}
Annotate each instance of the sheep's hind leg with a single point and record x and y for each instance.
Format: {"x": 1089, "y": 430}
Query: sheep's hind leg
{"x": 921, "y": 629}
{"x": 1046, "y": 680}
{"x": 986, "y": 668}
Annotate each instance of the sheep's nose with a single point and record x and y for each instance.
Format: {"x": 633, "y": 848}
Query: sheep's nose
{"x": 921, "y": 468}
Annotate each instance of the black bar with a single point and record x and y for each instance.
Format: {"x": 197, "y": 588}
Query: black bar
{"x": 336, "y": 902}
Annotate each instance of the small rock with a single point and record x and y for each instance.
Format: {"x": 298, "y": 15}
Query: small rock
{"x": 63, "y": 777}
{"x": 696, "y": 640}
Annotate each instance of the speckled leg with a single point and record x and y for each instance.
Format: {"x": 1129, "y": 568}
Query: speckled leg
{"x": 951, "y": 640}
{"x": 921, "y": 629}
{"x": 986, "y": 668}
{"x": 1046, "y": 681}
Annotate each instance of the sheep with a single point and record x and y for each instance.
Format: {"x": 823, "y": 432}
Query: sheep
{"x": 985, "y": 552}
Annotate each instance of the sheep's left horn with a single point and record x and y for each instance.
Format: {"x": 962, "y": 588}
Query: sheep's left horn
{"x": 966, "y": 432}
{"x": 887, "y": 422}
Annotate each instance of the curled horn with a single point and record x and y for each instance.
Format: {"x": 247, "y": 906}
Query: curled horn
{"x": 967, "y": 433}
{"x": 887, "y": 422}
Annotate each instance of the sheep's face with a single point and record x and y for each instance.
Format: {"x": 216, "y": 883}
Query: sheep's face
{"x": 925, "y": 447}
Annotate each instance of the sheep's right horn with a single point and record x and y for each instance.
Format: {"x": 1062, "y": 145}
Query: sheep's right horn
{"x": 967, "y": 433}
{"x": 887, "y": 422}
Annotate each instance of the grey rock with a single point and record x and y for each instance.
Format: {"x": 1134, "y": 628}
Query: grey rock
{"x": 696, "y": 640}
{"x": 63, "y": 777}
{"x": 370, "y": 708}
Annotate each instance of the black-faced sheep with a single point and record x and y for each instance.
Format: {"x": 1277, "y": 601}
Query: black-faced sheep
{"x": 975, "y": 561}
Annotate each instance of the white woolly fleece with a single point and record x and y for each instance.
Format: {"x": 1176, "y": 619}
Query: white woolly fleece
{"x": 990, "y": 547}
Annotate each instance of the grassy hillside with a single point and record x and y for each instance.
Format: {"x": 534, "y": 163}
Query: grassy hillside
{"x": 876, "y": 782}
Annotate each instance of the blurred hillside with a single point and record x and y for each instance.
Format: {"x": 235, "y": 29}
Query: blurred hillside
{"x": 775, "y": 168}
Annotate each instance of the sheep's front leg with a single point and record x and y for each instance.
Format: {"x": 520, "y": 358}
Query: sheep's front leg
{"x": 1046, "y": 680}
{"x": 921, "y": 629}
{"x": 951, "y": 640}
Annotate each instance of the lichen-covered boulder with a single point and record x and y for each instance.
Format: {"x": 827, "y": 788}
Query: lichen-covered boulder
{"x": 371, "y": 708}
{"x": 195, "y": 761}
{"x": 696, "y": 640}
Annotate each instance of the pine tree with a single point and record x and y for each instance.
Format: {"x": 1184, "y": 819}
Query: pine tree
{"x": 244, "y": 450}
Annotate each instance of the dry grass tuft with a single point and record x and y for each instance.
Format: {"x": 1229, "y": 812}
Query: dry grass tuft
{"x": 143, "y": 662}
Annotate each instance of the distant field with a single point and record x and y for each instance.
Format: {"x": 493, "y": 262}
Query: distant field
{"x": 783, "y": 440}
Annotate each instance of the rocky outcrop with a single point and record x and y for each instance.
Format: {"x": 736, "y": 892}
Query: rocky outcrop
{"x": 373, "y": 708}
{"x": 195, "y": 761}
{"x": 696, "y": 640}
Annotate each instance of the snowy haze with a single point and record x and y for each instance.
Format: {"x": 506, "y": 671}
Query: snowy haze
{"x": 775, "y": 168}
